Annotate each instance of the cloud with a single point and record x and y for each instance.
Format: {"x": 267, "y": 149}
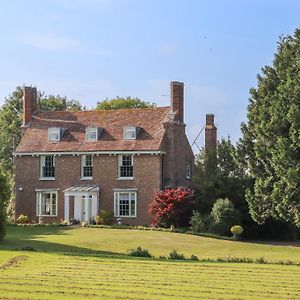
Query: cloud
{"x": 49, "y": 41}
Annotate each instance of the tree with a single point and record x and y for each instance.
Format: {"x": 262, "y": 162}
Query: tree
{"x": 52, "y": 103}
{"x": 172, "y": 207}
{"x": 220, "y": 176}
{"x": 4, "y": 197}
{"x": 121, "y": 102}
{"x": 271, "y": 137}
{"x": 224, "y": 215}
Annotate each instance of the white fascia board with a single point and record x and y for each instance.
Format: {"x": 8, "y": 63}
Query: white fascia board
{"x": 89, "y": 152}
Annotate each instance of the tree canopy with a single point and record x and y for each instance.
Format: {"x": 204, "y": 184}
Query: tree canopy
{"x": 271, "y": 137}
{"x": 121, "y": 102}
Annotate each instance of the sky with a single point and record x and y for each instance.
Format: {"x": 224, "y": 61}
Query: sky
{"x": 89, "y": 50}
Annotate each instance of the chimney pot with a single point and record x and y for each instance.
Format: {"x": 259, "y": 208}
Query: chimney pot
{"x": 177, "y": 99}
{"x": 29, "y": 104}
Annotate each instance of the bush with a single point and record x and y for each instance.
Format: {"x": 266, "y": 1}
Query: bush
{"x": 196, "y": 222}
{"x": 175, "y": 255}
{"x": 224, "y": 215}
{"x": 104, "y": 218}
{"x": 139, "y": 252}
{"x": 236, "y": 230}
{"x": 22, "y": 219}
{"x": 172, "y": 207}
{"x": 194, "y": 257}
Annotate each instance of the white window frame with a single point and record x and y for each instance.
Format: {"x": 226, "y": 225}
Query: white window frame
{"x": 42, "y": 164}
{"x": 120, "y": 164}
{"x": 91, "y": 130}
{"x": 117, "y": 204}
{"x": 39, "y": 195}
{"x": 83, "y": 164}
{"x": 128, "y": 131}
{"x": 54, "y": 131}
{"x": 188, "y": 170}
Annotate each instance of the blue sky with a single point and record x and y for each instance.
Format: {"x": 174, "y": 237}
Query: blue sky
{"x": 92, "y": 49}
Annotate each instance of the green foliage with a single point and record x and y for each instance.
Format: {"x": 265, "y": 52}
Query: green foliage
{"x": 236, "y": 230}
{"x": 139, "y": 252}
{"x": 121, "y": 102}
{"x": 22, "y": 219}
{"x": 194, "y": 257}
{"x": 4, "y": 197}
{"x": 104, "y": 218}
{"x": 224, "y": 215}
{"x": 271, "y": 137}
{"x": 175, "y": 255}
{"x": 196, "y": 222}
{"x": 221, "y": 175}
{"x": 54, "y": 103}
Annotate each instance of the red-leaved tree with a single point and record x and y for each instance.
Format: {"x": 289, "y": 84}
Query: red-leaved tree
{"x": 172, "y": 207}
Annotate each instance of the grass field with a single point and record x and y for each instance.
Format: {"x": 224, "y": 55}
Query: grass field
{"x": 77, "y": 263}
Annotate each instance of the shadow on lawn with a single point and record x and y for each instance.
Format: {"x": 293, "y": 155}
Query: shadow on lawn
{"x": 25, "y": 238}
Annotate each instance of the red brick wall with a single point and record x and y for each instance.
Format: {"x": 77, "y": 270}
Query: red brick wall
{"x": 179, "y": 153}
{"x": 29, "y": 104}
{"x": 177, "y": 98}
{"x": 147, "y": 178}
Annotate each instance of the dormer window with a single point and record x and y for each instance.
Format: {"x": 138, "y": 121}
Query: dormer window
{"x": 54, "y": 134}
{"x": 130, "y": 133}
{"x": 91, "y": 133}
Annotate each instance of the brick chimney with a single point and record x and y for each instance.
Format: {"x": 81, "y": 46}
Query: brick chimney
{"x": 210, "y": 133}
{"x": 29, "y": 104}
{"x": 177, "y": 99}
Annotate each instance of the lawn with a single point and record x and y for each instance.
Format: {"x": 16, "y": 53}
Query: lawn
{"x": 90, "y": 263}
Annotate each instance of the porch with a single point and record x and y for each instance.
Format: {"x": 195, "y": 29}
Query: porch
{"x": 81, "y": 203}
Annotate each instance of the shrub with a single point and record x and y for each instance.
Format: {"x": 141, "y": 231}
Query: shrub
{"x": 175, "y": 255}
{"x": 22, "y": 219}
{"x": 172, "y": 206}
{"x": 236, "y": 230}
{"x": 64, "y": 222}
{"x": 74, "y": 221}
{"x": 139, "y": 252}
{"x": 196, "y": 222}
{"x": 194, "y": 257}
{"x": 224, "y": 215}
{"x": 104, "y": 218}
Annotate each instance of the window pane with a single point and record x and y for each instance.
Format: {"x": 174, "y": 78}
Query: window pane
{"x": 126, "y": 168}
{"x": 87, "y": 170}
{"x": 48, "y": 167}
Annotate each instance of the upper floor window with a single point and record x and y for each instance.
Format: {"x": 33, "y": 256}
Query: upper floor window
{"x": 87, "y": 166}
{"x": 188, "y": 170}
{"x": 130, "y": 133}
{"x": 125, "y": 166}
{"x": 47, "y": 166}
{"x": 54, "y": 134}
{"x": 91, "y": 133}
{"x": 46, "y": 203}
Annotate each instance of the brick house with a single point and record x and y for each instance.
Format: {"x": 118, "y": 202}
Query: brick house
{"x": 72, "y": 164}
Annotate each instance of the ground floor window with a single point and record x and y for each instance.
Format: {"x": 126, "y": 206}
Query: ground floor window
{"x": 125, "y": 204}
{"x": 46, "y": 203}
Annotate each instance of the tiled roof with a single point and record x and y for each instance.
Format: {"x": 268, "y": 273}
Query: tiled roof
{"x": 149, "y": 138}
